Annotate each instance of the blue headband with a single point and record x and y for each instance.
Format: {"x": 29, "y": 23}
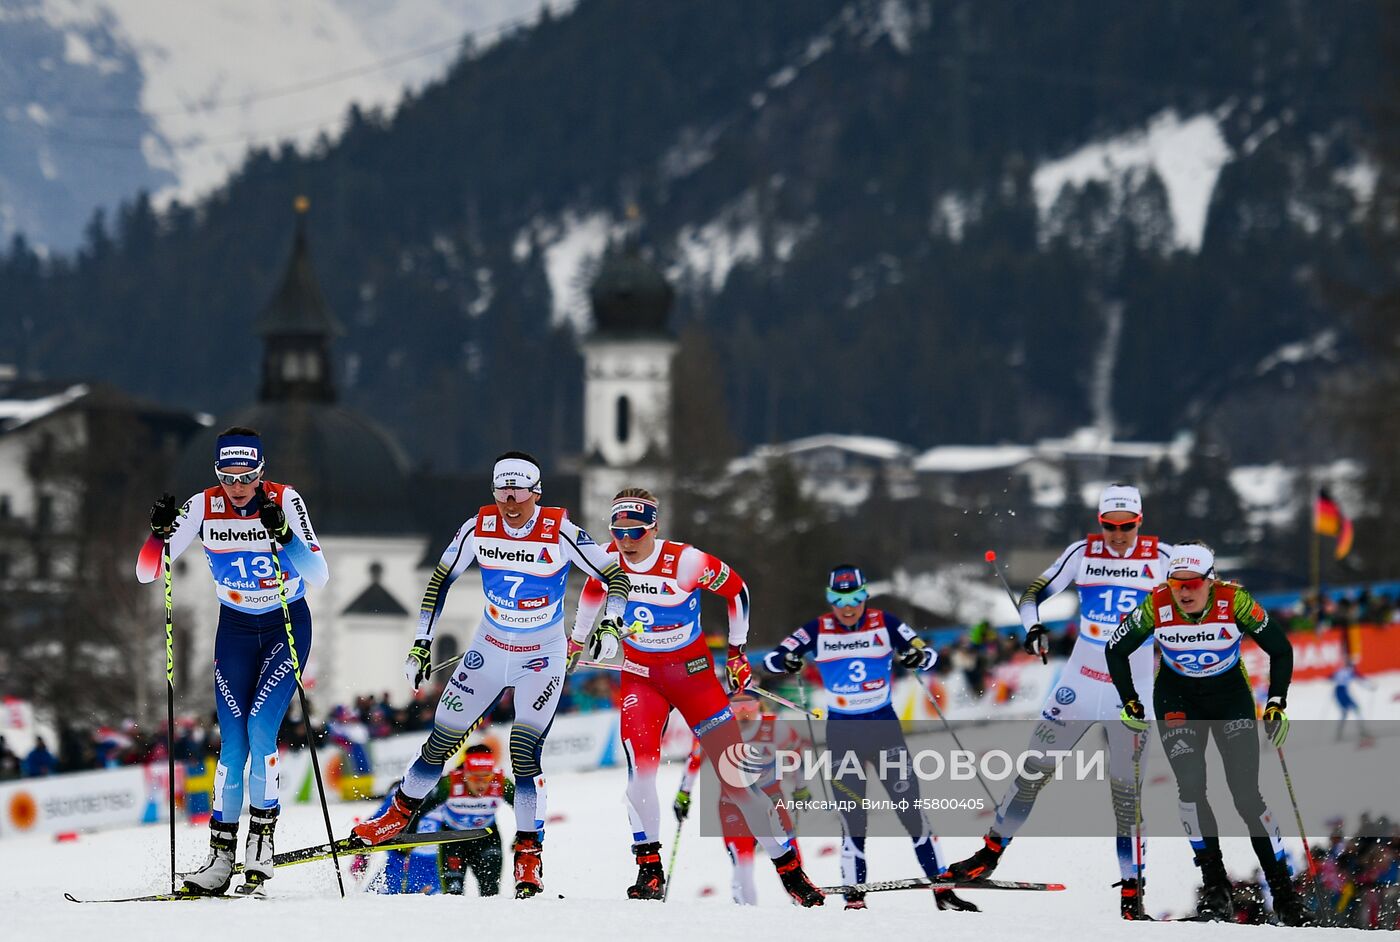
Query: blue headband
{"x": 634, "y": 508}
{"x": 238, "y": 450}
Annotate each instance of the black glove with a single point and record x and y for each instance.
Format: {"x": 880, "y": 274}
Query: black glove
{"x": 415, "y": 666}
{"x": 918, "y": 656}
{"x": 273, "y": 519}
{"x": 163, "y": 514}
{"x": 1037, "y": 640}
{"x": 792, "y": 662}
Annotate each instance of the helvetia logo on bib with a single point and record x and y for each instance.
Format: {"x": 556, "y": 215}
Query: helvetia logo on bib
{"x": 740, "y": 765}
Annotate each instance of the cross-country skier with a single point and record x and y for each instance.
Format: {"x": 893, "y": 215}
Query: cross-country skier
{"x": 765, "y": 737}
{"x": 667, "y": 664}
{"x": 1201, "y": 692}
{"x": 524, "y": 552}
{"x": 1342, "y": 679}
{"x": 1113, "y": 570}
{"x": 467, "y": 798}
{"x": 237, "y": 521}
{"x": 855, "y": 647}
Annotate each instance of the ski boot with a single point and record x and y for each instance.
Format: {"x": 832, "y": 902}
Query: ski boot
{"x": 217, "y": 873}
{"x": 979, "y": 866}
{"x": 257, "y": 851}
{"x": 529, "y": 870}
{"x": 388, "y": 823}
{"x": 855, "y": 901}
{"x": 795, "y": 881}
{"x": 1130, "y": 901}
{"x": 945, "y": 898}
{"x": 1216, "y": 903}
{"x": 651, "y": 879}
{"x": 1288, "y": 905}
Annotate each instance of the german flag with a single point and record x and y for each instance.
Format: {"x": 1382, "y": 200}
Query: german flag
{"x": 1328, "y": 520}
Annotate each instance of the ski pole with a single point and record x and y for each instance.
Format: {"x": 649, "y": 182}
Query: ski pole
{"x": 991, "y": 557}
{"x": 1139, "y": 743}
{"x": 951, "y": 732}
{"x": 671, "y": 867}
{"x": 814, "y": 714}
{"x": 812, "y": 735}
{"x": 306, "y": 713}
{"x": 170, "y": 697}
{"x": 1298, "y": 816}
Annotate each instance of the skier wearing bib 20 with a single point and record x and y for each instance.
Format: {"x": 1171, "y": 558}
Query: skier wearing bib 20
{"x": 524, "y": 552}
{"x": 1113, "y": 571}
{"x": 237, "y": 521}
{"x": 667, "y": 664}
{"x": 1202, "y": 691}
{"x": 468, "y": 798}
{"x": 855, "y": 648}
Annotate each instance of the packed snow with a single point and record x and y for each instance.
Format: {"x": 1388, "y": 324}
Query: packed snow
{"x": 587, "y": 861}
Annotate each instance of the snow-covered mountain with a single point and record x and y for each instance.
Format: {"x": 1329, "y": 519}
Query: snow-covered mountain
{"x": 102, "y": 98}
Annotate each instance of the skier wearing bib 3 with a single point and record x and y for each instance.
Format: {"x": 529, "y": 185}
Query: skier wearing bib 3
{"x": 524, "y": 552}
{"x": 1202, "y": 691}
{"x": 668, "y": 665}
{"x": 855, "y": 647}
{"x": 237, "y": 521}
{"x": 1113, "y": 571}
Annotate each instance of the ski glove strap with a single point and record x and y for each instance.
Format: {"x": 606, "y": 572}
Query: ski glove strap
{"x": 1134, "y": 716}
{"x": 1276, "y": 721}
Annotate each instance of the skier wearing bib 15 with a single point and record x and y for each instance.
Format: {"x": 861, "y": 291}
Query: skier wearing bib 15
{"x": 855, "y": 647}
{"x": 1113, "y": 571}
{"x": 1202, "y": 691}
{"x": 237, "y": 522}
{"x": 667, "y": 664}
{"x": 524, "y": 552}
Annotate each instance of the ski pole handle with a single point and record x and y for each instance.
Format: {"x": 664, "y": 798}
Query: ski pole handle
{"x": 991, "y": 557}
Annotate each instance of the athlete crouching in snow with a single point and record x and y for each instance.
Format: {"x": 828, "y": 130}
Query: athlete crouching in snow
{"x": 667, "y": 664}
{"x": 524, "y": 552}
{"x": 238, "y": 521}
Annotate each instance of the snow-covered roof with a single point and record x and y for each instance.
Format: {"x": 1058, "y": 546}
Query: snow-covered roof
{"x": 967, "y": 458}
{"x": 1092, "y": 441}
{"x": 17, "y": 412}
{"x": 883, "y": 449}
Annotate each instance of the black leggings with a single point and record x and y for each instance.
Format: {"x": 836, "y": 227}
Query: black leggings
{"x": 482, "y": 857}
{"x": 1189, "y": 713}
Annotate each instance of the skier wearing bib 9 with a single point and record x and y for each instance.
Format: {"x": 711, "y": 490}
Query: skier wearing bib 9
{"x": 1113, "y": 570}
{"x": 1202, "y": 691}
{"x": 524, "y": 552}
{"x": 855, "y": 647}
{"x": 237, "y": 521}
{"x": 667, "y": 664}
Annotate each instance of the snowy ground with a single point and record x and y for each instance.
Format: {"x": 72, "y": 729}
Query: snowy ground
{"x": 587, "y": 860}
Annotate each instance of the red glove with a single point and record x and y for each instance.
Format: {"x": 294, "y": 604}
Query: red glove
{"x": 572, "y": 652}
{"x": 737, "y": 669}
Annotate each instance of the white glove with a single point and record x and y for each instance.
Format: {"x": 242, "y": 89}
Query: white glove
{"x": 604, "y": 644}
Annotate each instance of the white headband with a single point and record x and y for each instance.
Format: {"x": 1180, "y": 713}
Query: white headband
{"x": 1191, "y": 557}
{"x": 516, "y": 472}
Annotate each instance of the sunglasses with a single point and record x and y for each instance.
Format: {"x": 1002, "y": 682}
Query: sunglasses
{"x": 846, "y": 599}
{"x": 630, "y": 533}
{"x": 246, "y": 477}
{"x": 1119, "y": 527}
{"x": 1190, "y": 585}
{"x": 519, "y": 493}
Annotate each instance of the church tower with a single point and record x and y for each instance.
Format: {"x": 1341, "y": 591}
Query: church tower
{"x": 627, "y": 383}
